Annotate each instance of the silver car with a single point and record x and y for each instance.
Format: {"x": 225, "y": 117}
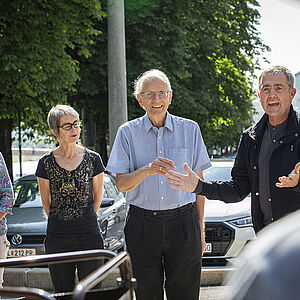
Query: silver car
{"x": 28, "y": 223}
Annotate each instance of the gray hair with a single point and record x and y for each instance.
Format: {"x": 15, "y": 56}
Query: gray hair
{"x": 56, "y": 112}
{"x": 153, "y": 73}
{"x": 277, "y": 70}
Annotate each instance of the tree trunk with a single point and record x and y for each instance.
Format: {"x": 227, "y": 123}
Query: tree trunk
{"x": 5, "y": 143}
{"x": 101, "y": 148}
{"x": 89, "y": 127}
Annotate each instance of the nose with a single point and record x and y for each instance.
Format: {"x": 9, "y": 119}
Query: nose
{"x": 156, "y": 96}
{"x": 73, "y": 128}
{"x": 272, "y": 93}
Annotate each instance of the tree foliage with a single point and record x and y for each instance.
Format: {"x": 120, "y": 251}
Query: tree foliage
{"x": 56, "y": 51}
{"x": 209, "y": 50}
{"x": 36, "y": 67}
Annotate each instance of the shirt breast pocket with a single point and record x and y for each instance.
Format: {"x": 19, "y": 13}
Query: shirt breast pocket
{"x": 180, "y": 156}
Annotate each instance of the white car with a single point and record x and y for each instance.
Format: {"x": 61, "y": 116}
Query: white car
{"x": 228, "y": 227}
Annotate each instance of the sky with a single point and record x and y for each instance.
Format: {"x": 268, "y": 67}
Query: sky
{"x": 280, "y": 30}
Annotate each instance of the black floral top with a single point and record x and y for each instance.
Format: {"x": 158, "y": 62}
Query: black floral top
{"x": 72, "y": 203}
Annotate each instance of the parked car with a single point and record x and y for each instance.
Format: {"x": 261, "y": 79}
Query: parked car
{"x": 228, "y": 227}
{"x": 27, "y": 225}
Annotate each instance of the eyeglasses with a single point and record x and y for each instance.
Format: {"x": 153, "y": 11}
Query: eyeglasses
{"x": 68, "y": 126}
{"x": 151, "y": 95}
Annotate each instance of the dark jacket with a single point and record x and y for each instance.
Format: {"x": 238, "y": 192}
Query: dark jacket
{"x": 245, "y": 171}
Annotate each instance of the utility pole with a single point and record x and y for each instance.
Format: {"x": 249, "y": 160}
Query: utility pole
{"x": 117, "y": 89}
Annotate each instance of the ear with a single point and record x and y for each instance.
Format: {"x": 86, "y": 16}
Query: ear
{"x": 140, "y": 101}
{"x": 170, "y": 96}
{"x": 53, "y": 133}
{"x": 293, "y": 93}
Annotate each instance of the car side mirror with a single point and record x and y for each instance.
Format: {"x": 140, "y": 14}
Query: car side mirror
{"x": 106, "y": 202}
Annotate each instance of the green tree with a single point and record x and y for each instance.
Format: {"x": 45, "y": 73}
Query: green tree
{"x": 37, "y": 70}
{"x": 207, "y": 48}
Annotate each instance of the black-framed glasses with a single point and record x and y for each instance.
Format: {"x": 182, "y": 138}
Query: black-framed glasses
{"x": 152, "y": 95}
{"x": 68, "y": 126}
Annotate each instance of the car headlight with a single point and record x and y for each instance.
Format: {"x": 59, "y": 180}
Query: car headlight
{"x": 242, "y": 222}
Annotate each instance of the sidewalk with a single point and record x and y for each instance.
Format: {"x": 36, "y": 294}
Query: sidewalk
{"x": 40, "y": 278}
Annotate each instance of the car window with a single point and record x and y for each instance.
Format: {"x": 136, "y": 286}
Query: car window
{"x": 26, "y": 191}
{"x": 217, "y": 174}
{"x": 110, "y": 187}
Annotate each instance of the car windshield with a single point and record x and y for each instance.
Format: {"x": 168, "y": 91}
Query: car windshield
{"x": 217, "y": 174}
{"x": 27, "y": 192}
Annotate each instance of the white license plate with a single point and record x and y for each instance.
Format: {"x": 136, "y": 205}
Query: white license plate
{"x": 208, "y": 248}
{"x": 17, "y": 252}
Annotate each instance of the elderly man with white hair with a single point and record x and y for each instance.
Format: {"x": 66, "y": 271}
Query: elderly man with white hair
{"x": 164, "y": 228}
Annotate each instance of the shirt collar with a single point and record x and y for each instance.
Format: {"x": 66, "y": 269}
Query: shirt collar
{"x": 168, "y": 123}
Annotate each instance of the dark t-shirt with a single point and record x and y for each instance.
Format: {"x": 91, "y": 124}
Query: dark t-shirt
{"x": 269, "y": 143}
{"x": 72, "y": 203}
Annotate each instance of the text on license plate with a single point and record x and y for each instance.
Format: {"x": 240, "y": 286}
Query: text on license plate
{"x": 207, "y": 248}
{"x": 15, "y": 252}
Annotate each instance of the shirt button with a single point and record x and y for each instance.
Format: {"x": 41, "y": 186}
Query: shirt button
{"x": 155, "y": 213}
{"x": 162, "y": 198}
{"x": 254, "y": 167}
{"x": 281, "y": 142}
{"x": 270, "y": 199}
{"x": 272, "y": 219}
{"x": 296, "y": 134}
{"x": 274, "y": 141}
{"x": 257, "y": 193}
{"x": 162, "y": 182}
{"x": 160, "y": 152}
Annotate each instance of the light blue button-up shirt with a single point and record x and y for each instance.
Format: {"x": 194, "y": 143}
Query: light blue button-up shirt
{"x": 139, "y": 143}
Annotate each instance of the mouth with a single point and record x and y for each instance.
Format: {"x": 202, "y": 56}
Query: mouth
{"x": 74, "y": 135}
{"x": 157, "y": 106}
{"x": 273, "y": 103}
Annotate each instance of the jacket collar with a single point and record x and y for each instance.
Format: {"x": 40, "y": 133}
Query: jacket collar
{"x": 257, "y": 130}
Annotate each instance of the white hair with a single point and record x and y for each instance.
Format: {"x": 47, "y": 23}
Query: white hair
{"x": 153, "y": 73}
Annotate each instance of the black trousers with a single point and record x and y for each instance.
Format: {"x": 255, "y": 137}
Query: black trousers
{"x": 165, "y": 249}
{"x": 63, "y": 275}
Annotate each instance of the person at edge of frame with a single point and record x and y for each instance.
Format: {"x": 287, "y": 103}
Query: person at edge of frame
{"x": 6, "y": 204}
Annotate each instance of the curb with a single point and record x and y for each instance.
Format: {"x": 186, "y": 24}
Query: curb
{"x": 40, "y": 277}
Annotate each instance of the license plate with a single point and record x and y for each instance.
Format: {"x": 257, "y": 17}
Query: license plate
{"x": 17, "y": 252}
{"x": 208, "y": 248}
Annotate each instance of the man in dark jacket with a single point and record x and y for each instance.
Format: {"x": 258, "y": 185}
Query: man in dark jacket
{"x": 267, "y": 157}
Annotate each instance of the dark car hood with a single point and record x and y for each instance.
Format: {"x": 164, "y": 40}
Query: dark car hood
{"x": 23, "y": 220}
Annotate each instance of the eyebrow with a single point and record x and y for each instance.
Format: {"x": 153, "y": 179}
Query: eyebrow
{"x": 276, "y": 84}
{"x": 155, "y": 91}
{"x": 69, "y": 123}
